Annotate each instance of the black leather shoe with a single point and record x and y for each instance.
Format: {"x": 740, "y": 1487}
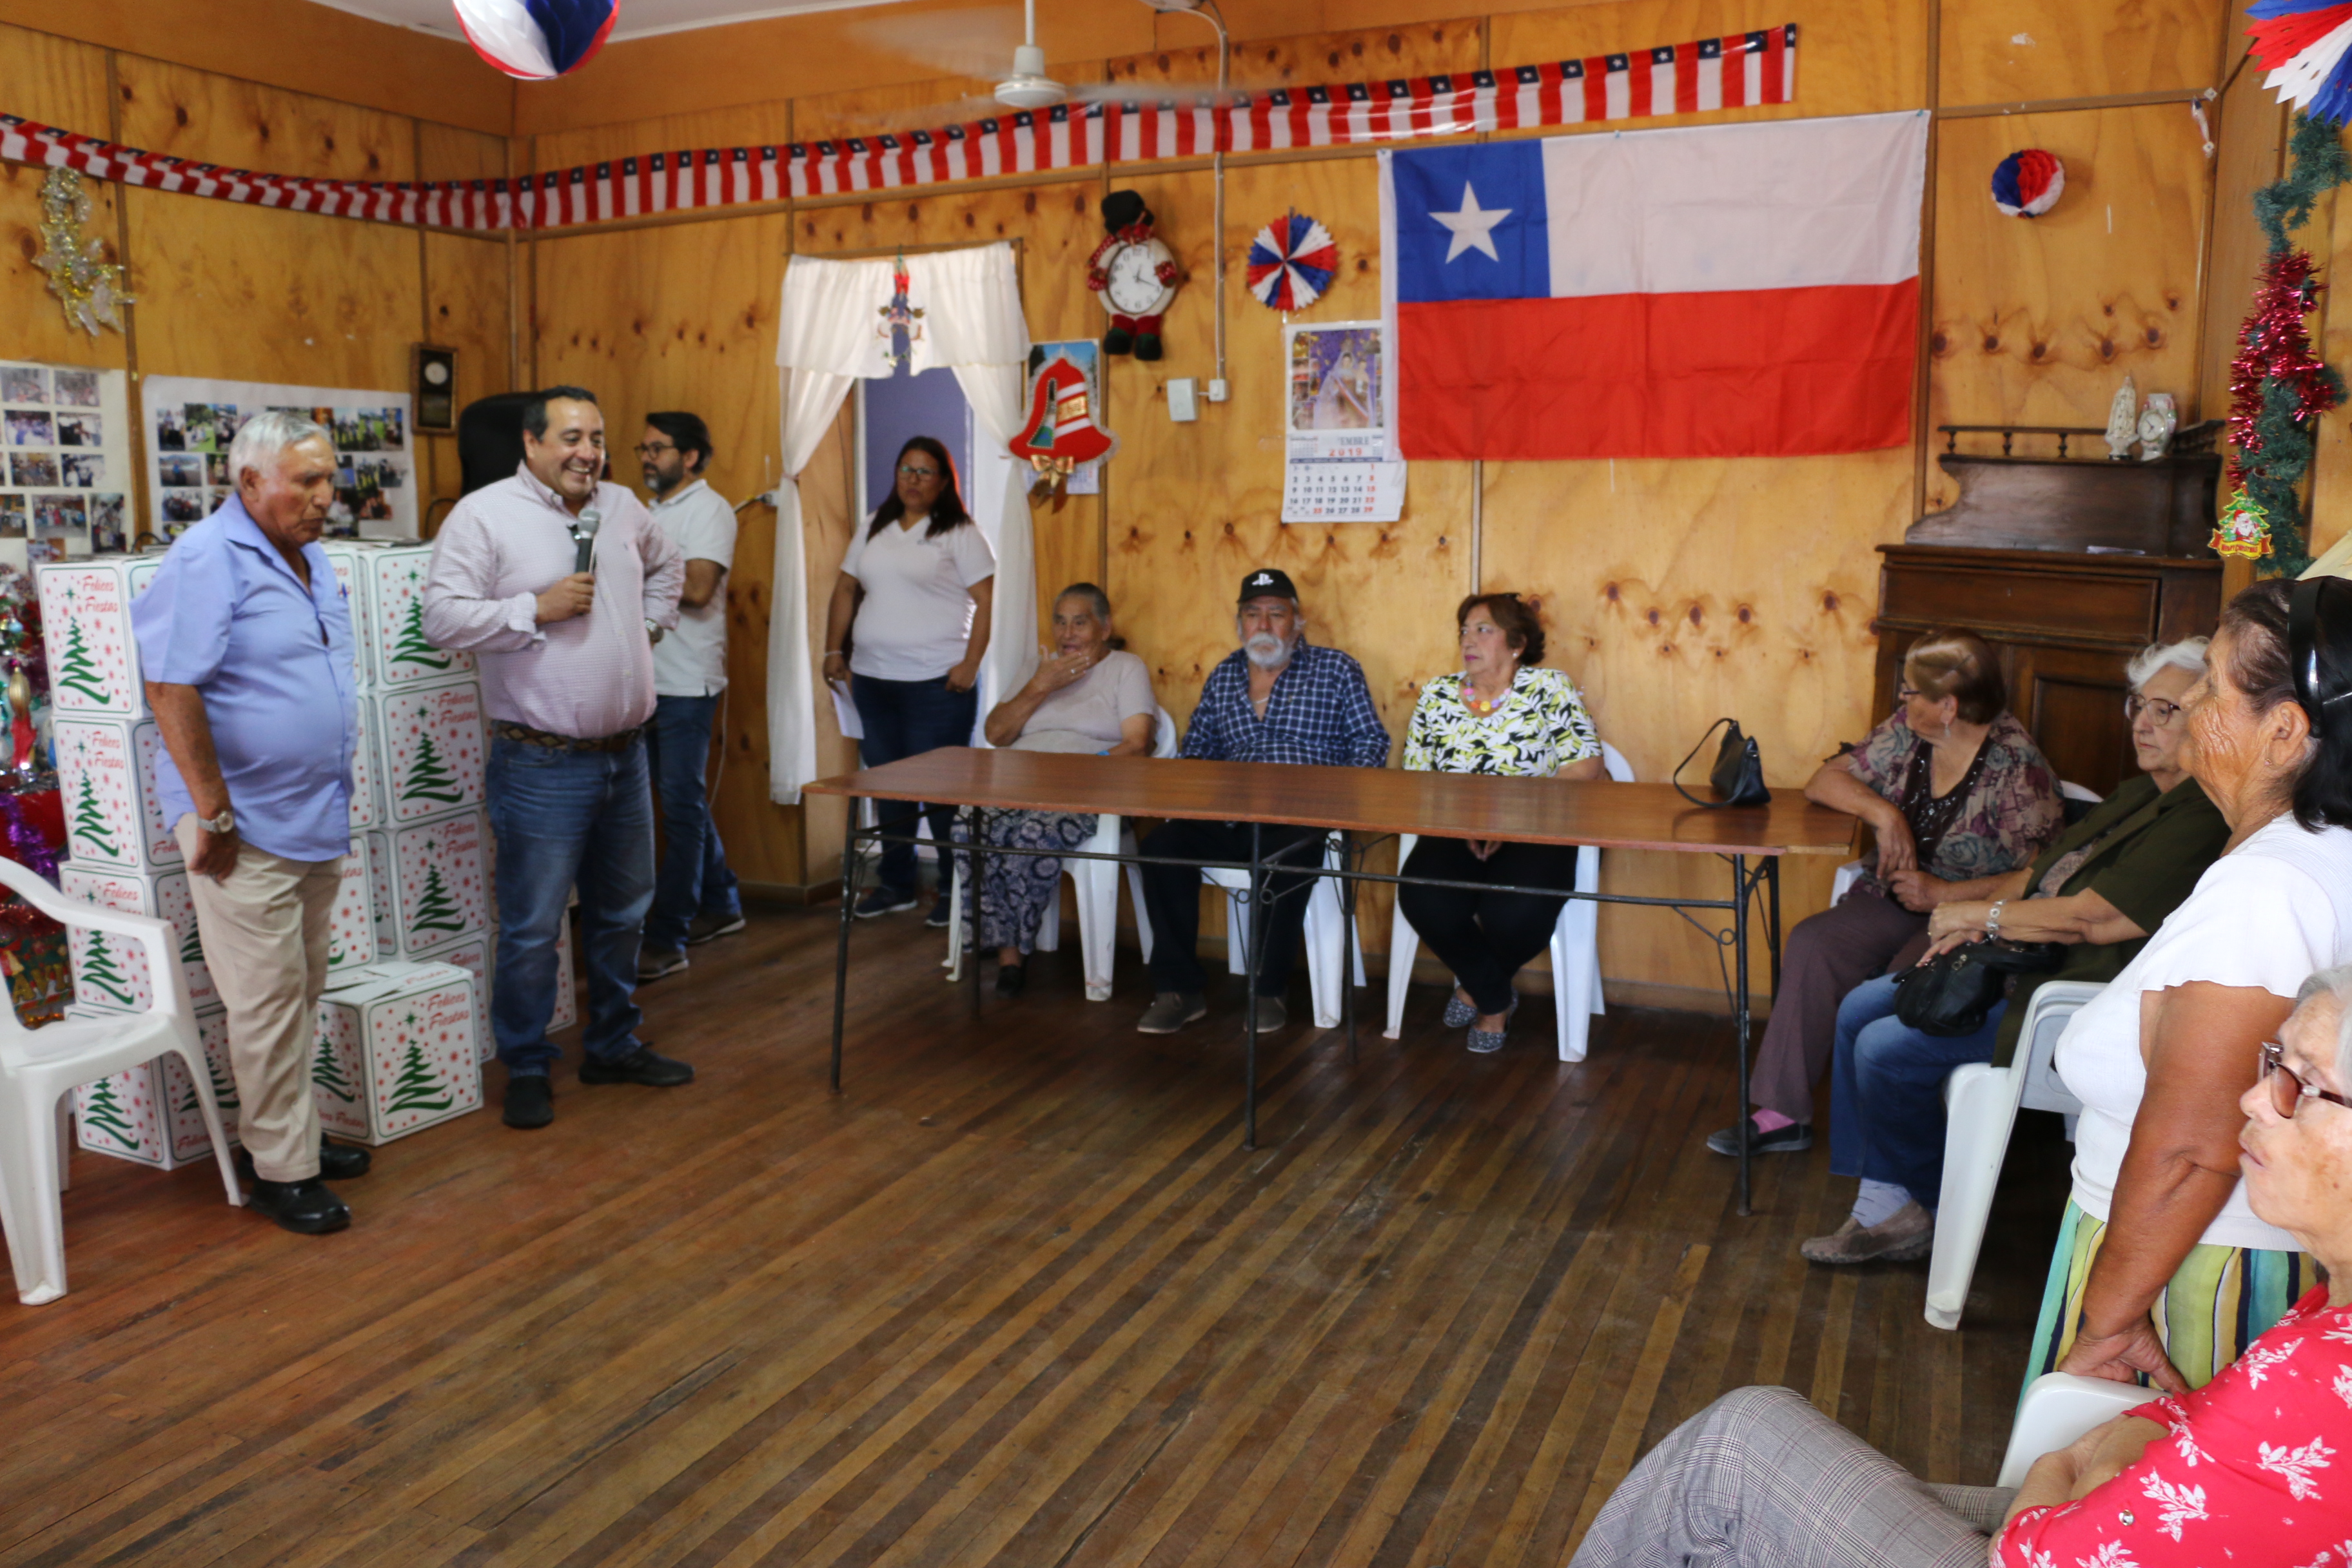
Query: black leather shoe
{"x": 305, "y": 1207}
{"x": 640, "y": 1066}
{"x": 530, "y": 1100}
{"x": 1794, "y": 1139}
{"x": 1011, "y": 978}
{"x": 341, "y": 1162}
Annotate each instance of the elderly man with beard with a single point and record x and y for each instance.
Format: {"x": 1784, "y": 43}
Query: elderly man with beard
{"x": 1276, "y": 698}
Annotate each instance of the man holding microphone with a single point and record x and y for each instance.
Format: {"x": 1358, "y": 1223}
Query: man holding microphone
{"x": 558, "y": 581}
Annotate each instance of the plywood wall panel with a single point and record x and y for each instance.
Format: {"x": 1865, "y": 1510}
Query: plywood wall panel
{"x": 464, "y": 309}
{"x": 59, "y": 82}
{"x": 450, "y": 153}
{"x": 752, "y": 125}
{"x": 2037, "y": 321}
{"x": 194, "y": 114}
{"x": 2017, "y": 51}
{"x": 1423, "y": 49}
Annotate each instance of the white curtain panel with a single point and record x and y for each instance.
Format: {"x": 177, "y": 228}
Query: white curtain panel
{"x": 831, "y": 331}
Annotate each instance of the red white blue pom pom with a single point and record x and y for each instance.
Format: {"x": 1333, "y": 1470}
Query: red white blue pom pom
{"x": 2304, "y": 45}
{"x": 536, "y": 39}
{"x": 1291, "y": 262}
{"x": 2028, "y": 184}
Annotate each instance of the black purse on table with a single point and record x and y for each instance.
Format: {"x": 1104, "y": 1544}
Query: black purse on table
{"x": 1949, "y": 996}
{"x": 1738, "y": 774}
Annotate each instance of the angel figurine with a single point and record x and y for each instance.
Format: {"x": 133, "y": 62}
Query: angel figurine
{"x": 2123, "y": 421}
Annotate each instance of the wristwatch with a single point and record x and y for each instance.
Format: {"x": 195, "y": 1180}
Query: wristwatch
{"x": 225, "y": 823}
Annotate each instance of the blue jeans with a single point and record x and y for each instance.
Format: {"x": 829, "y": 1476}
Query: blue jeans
{"x": 694, "y": 879}
{"x": 1887, "y": 1091}
{"x": 904, "y": 719}
{"x": 563, "y": 818}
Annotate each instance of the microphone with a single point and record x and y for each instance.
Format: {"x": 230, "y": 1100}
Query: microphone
{"x": 584, "y": 530}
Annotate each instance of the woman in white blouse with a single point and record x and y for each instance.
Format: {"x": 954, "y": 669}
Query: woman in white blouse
{"x": 911, "y": 662}
{"x": 2161, "y": 1267}
{"x": 1501, "y": 714}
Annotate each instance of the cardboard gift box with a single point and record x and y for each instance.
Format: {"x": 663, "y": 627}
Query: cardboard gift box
{"x": 478, "y": 956}
{"x": 440, "y": 882}
{"x": 430, "y": 740}
{"x": 86, "y": 627}
{"x": 346, "y": 558}
{"x": 367, "y": 772}
{"x": 149, "y": 1113}
{"x": 106, "y": 783}
{"x": 397, "y": 653}
{"x": 351, "y": 923}
{"x": 111, "y": 973}
{"x": 396, "y": 1055}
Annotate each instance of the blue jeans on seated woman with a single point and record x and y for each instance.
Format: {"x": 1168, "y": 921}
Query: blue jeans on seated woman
{"x": 1887, "y": 1091}
{"x": 904, "y": 719}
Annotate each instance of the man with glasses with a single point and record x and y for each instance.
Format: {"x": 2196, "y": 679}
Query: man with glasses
{"x": 568, "y": 682}
{"x": 695, "y": 897}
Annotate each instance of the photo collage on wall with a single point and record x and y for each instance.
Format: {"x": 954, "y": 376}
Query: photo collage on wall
{"x": 65, "y": 462}
{"x": 191, "y": 423}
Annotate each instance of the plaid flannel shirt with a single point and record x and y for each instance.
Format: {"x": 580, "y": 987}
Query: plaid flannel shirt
{"x": 1319, "y": 712}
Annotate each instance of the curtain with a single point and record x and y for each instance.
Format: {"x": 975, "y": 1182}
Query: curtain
{"x": 832, "y": 330}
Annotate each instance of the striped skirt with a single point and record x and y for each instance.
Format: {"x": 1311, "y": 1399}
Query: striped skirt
{"x": 2220, "y": 1301}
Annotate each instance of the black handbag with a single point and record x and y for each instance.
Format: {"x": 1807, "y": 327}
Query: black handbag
{"x": 1949, "y": 995}
{"x": 1738, "y": 773}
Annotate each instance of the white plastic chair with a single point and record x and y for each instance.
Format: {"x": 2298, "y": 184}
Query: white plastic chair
{"x": 40, "y": 1066}
{"x": 2058, "y": 1408}
{"x": 1097, "y": 888}
{"x": 1575, "y": 942}
{"x": 1980, "y": 1109}
{"x": 1324, "y": 935}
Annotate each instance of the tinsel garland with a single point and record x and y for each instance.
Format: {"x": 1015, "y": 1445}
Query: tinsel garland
{"x": 2277, "y": 385}
{"x": 24, "y": 842}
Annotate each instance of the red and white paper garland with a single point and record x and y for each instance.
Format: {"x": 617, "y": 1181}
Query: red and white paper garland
{"x": 1738, "y": 71}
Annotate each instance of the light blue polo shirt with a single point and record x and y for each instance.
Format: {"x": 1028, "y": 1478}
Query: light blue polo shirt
{"x": 228, "y": 615}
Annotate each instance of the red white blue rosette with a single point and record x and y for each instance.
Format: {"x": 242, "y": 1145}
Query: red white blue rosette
{"x": 2028, "y": 184}
{"x": 536, "y": 39}
{"x": 2306, "y": 48}
{"x": 1291, "y": 262}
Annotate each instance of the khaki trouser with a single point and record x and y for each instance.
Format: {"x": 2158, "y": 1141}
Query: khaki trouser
{"x": 263, "y": 928}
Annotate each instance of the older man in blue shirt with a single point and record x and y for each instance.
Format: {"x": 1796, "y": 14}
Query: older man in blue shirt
{"x": 1276, "y": 698}
{"x": 247, "y": 644}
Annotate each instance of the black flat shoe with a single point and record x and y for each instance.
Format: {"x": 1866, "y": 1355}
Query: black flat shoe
{"x": 530, "y": 1100}
{"x": 343, "y": 1161}
{"x": 1794, "y": 1139}
{"x": 640, "y": 1066}
{"x": 1011, "y": 978}
{"x": 306, "y": 1208}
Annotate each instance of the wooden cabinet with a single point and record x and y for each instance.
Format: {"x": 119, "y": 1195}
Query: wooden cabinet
{"x": 2064, "y": 623}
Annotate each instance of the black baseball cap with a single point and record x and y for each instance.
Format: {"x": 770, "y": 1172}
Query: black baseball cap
{"x": 1269, "y": 581}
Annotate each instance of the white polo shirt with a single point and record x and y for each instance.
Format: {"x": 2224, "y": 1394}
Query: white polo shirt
{"x": 916, "y": 618}
{"x": 691, "y": 661}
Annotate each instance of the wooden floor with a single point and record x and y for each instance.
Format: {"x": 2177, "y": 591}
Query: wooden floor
{"x": 1017, "y": 1298}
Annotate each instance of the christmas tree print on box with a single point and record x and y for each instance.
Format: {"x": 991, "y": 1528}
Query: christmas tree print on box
{"x": 98, "y": 783}
{"x": 345, "y": 559}
{"x": 401, "y": 655}
{"x": 108, "y": 971}
{"x": 396, "y": 1054}
{"x": 86, "y": 623}
{"x": 337, "y": 1079}
{"x": 162, "y": 843}
{"x": 367, "y": 765}
{"x": 432, "y": 742}
{"x": 440, "y": 881}
{"x": 149, "y": 1113}
{"x": 189, "y": 1139}
{"x": 381, "y": 903}
{"x": 351, "y": 925}
{"x": 176, "y": 903}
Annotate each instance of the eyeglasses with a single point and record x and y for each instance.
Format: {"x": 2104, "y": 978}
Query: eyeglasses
{"x": 1904, "y": 693}
{"x": 909, "y": 471}
{"x": 2157, "y": 708}
{"x": 653, "y": 449}
{"x": 2286, "y": 1089}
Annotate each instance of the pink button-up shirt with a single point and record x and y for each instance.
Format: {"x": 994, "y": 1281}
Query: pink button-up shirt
{"x": 588, "y": 676}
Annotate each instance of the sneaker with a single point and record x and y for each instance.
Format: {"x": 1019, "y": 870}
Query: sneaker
{"x": 1794, "y": 1139}
{"x": 640, "y": 1066}
{"x": 1171, "y": 1011}
{"x": 1268, "y": 1014}
{"x": 652, "y": 963}
{"x": 1906, "y": 1235}
{"x": 939, "y": 916}
{"x": 305, "y": 1207}
{"x": 530, "y": 1100}
{"x": 711, "y": 927}
{"x": 884, "y": 901}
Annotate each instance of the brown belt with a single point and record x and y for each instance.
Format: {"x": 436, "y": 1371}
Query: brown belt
{"x": 524, "y": 734}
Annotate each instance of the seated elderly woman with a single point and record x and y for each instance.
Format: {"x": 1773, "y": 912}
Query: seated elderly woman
{"x": 2097, "y": 891}
{"x": 2160, "y": 1267}
{"x": 1960, "y": 797}
{"x": 2245, "y": 1470}
{"x": 1089, "y": 698}
{"x": 1500, "y": 714}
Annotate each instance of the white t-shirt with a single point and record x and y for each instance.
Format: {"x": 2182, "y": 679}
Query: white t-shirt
{"x": 2266, "y": 914}
{"x": 691, "y": 661}
{"x": 916, "y": 616}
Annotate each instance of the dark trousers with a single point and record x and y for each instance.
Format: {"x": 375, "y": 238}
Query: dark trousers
{"x": 694, "y": 879}
{"x": 1887, "y": 1091}
{"x": 1827, "y": 955}
{"x": 1171, "y": 897}
{"x": 1486, "y": 937}
{"x": 904, "y": 719}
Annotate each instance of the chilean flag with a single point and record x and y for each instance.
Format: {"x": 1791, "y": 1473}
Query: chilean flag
{"x": 1741, "y": 290}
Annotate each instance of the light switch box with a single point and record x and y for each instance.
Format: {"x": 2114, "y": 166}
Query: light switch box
{"x": 1183, "y": 406}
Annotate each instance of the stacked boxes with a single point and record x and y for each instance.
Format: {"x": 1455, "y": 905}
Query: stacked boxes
{"x": 151, "y": 1113}
{"x": 396, "y": 1052}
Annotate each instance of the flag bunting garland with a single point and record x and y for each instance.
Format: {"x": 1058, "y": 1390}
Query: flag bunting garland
{"x": 1291, "y": 262}
{"x": 1738, "y": 71}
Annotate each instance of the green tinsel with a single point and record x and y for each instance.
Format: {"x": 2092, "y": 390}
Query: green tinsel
{"x": 2275, "y": 469}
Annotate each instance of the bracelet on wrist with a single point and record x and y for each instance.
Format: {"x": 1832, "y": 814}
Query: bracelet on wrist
{"x": 1992, "y": 918}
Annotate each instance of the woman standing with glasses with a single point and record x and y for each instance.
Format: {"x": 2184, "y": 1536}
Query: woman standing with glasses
{"x": 2162, "y": 1271}
{"x": 911, "y": 661}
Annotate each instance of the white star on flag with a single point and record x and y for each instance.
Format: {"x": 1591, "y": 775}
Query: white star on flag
{"x": 1473, "y": 228}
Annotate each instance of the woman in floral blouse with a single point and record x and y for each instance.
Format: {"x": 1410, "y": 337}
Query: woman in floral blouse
{"x": 1500, "y": 714}
{"x": 1958, "y": 796}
